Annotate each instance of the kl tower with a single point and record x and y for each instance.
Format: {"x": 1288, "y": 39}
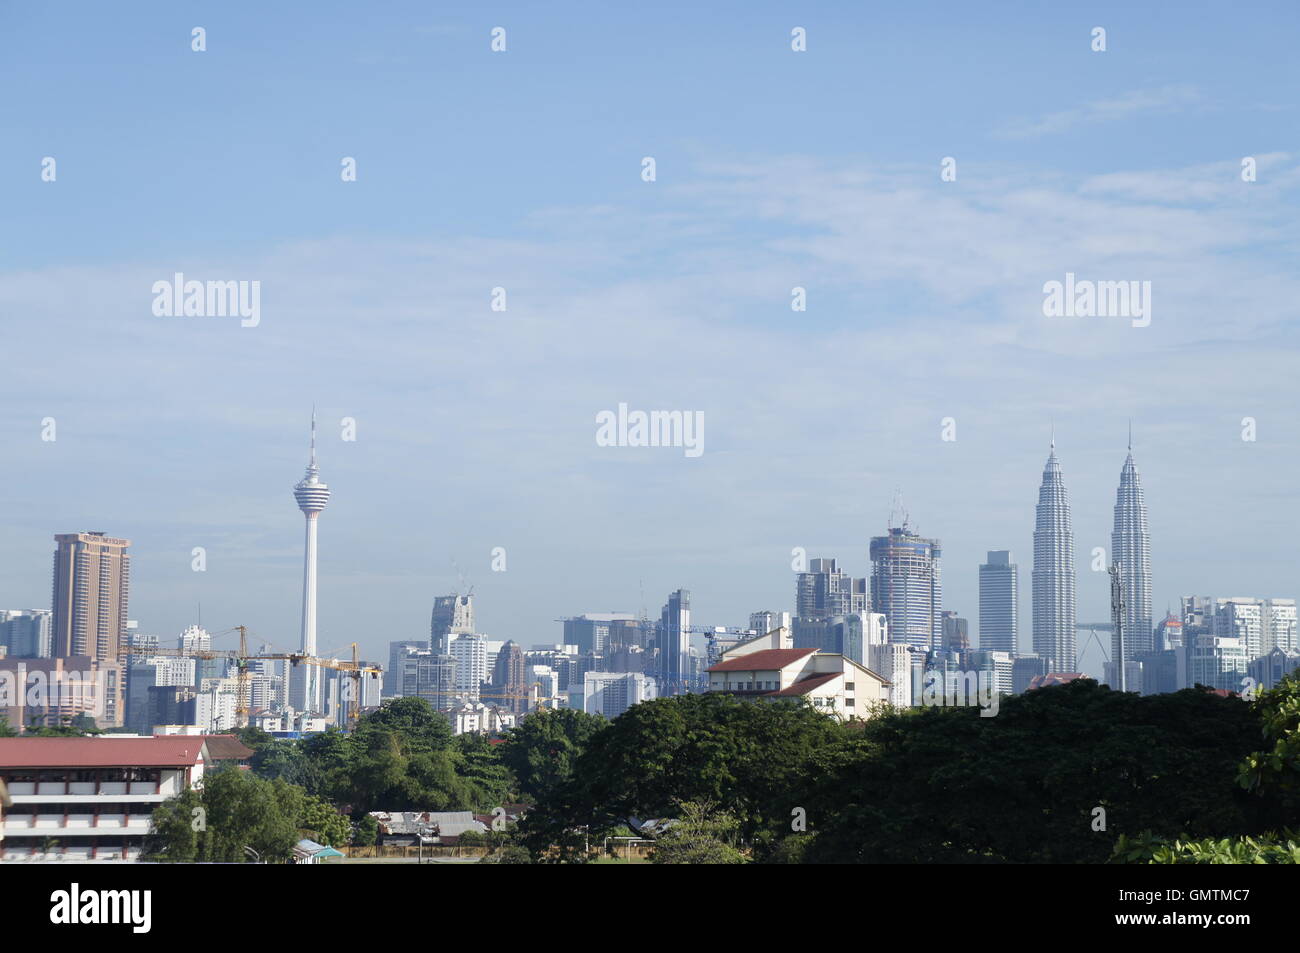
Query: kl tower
{"x": 312, "y": 495}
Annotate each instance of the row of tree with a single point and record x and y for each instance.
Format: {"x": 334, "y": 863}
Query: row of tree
{"x": 1056, "y": 777}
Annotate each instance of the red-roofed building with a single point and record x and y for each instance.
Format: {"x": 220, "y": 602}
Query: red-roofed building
{"x": 1053, "y": 678}
{"x": 769, "y": 667}
{"x": 92, "y": 798}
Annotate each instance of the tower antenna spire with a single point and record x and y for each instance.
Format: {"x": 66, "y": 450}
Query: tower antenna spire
{"x": 313, "y": 434}
{"x": 1130, "y": 435}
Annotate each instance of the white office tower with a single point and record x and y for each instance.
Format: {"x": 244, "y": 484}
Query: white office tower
{"x": 1241, "y": 618}
{"x": 470, "y": 653}
{"x": 195, "y": 639}
{"x": 1130, "y": 546}
{"x": 312, "y": 496}
{"x": 999, "y": 603}
{"x": 1053, "y": 575}
{"x": 612, "y": 693}
{"x": 546, "y": 683}
{"x": 893, "y": 661}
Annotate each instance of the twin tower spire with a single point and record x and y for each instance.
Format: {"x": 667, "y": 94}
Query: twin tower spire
{"x": 1054, "y": 580}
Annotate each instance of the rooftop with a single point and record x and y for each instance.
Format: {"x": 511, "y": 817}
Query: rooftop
{"x": 764, "y": 660}
{"x": 166, "y": 751}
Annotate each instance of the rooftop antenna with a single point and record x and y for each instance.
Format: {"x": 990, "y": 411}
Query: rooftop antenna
{"x": 1052, "y": 445}
{"x": 897, "y": 510}
{"x": 1130, "y": 435}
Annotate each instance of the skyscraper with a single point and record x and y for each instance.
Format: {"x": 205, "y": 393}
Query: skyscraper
{"x": 825, "y": 591}
{"x": 675, "y": 644}
{"x": 1053, "y": 577}
{"x": 312, "y": 496}
{"x": 1130, "y": 546}
{"x": 452, "y": 615}
{"x": 905, "y": 586}
{"x": 508, "y": 679}
{"x": 92, "y": 581}
{"x": 1000, "y": 603}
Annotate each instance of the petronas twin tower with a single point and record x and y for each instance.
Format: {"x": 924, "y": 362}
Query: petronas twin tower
{"x": 1054, "y": 629}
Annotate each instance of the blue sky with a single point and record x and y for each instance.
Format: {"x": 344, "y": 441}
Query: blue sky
{"x": 475, "y": 429}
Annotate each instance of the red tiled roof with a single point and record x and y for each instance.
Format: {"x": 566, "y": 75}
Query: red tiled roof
{"x": 764, "y": 660}
{"x": 166, "y": 751}
{"x": 805, "y": 685}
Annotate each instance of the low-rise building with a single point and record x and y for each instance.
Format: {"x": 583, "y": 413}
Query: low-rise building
{"x": 410, "y": 828}
{"x": 92, "y": 798}
{"x": 768, "y": 667}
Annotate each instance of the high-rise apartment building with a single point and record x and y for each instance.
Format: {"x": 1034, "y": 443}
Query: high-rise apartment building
{"x": 1241, "y": 618}
{"x": 824, "y": 591}
{"x": 509, "y": 686}
{"x": 1279, "y": 626}
{"x": 1000, "y": 603}
{"x": 1130, "y": 547}
{"x": 423, "y": 673}
{"x": 470, "y": 652}
{"x": 92, "y": 582}
{"x": 906, "y": 587}
{"x": 761, "y": 623}
{"x": 1054, "y": 636}
{"x": 397, "y": 651}
{"x": 26, "y": 633}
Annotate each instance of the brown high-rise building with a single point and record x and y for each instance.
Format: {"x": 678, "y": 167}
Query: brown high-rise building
{"x": 92, "y": 576}
{"x": 509, "y": 680}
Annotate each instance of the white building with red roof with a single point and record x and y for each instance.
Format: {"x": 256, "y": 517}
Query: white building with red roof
{"x": 92, "y": 798}
{"x": 770, "y": 667}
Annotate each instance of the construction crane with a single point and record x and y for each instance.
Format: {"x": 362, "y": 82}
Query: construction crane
{"x": 353, "y": 669}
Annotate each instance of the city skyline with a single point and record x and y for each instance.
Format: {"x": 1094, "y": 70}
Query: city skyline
{"x": 475, "y": 428}
{"x": 454, "y": 612}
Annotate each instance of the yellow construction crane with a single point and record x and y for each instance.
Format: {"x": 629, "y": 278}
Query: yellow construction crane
{"x": 354, "y": 670}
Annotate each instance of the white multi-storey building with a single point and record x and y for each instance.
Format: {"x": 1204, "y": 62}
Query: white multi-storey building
{"x": 893, "y": 662}
{"x": 85, "y": 799}
{"x": 1241, "y": 618}
{"x": 770, "y": 668}
{"x": 612, "y": 693}
{"x": 1217, "y": 661}
{"x": 470, "y": 653}
{"x": 1279, "y": 626}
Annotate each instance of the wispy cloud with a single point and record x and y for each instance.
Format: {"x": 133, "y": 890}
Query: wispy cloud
{"x": 1125, "y": 106}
